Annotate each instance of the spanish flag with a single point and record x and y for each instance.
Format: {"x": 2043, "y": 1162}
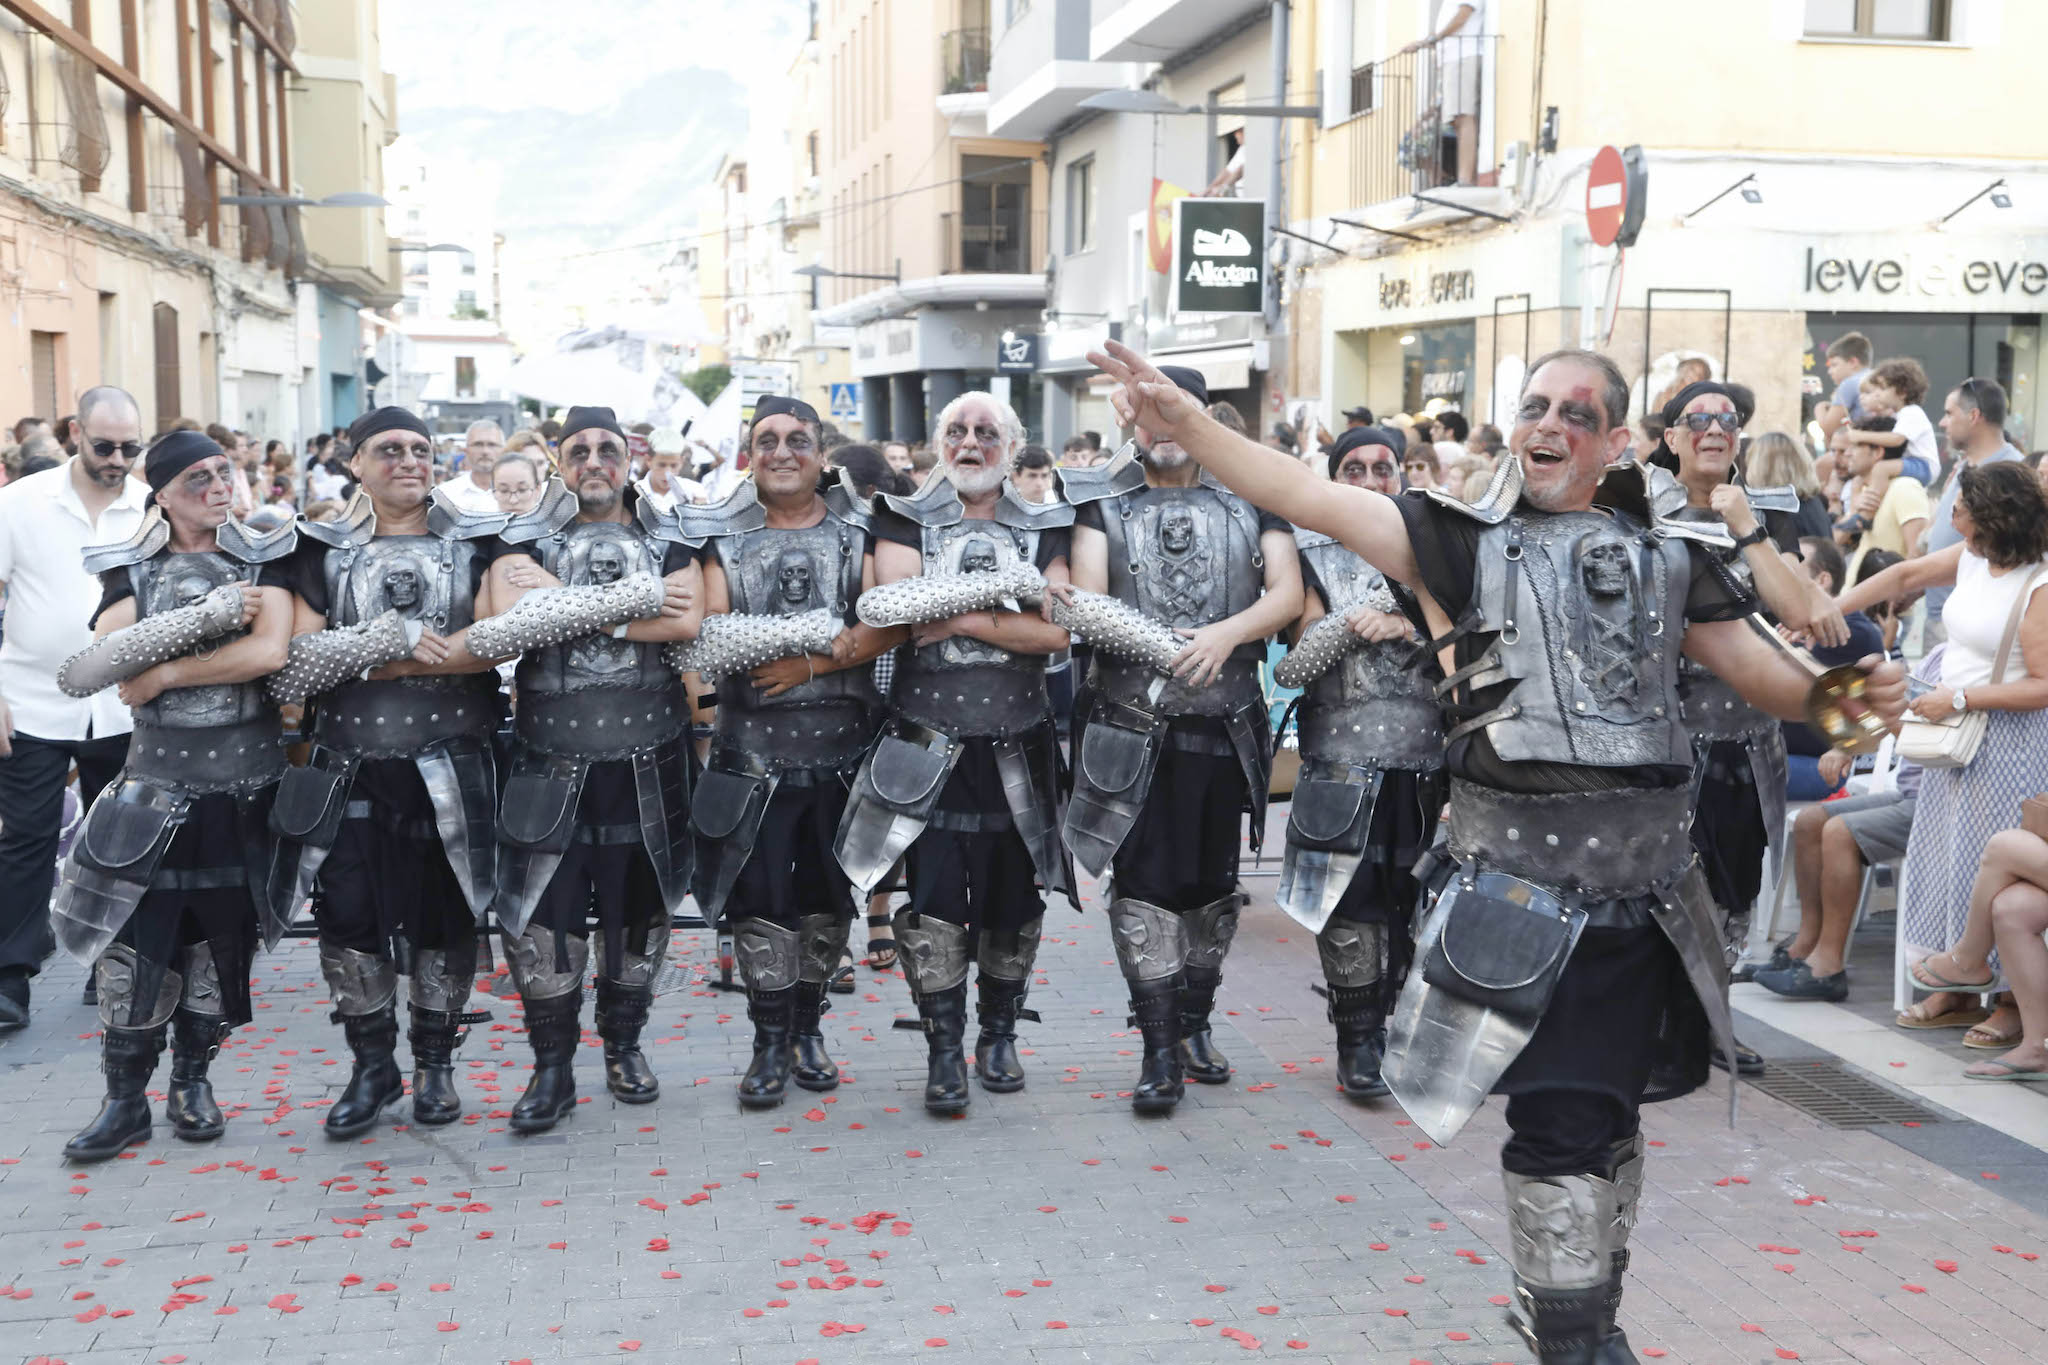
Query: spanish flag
{"x": 1159, "y": 232}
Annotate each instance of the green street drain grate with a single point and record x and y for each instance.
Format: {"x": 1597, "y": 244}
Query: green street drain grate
{"x": 1838, "y": 1096}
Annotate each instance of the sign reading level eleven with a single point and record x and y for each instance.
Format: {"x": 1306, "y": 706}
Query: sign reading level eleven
{"x": 1219, "y": 258}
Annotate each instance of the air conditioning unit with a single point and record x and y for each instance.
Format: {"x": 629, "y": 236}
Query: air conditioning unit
{"x": 1515, "y": 163}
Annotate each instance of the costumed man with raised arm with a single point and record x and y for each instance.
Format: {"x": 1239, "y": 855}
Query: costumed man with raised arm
{"x": 389, "y": 825}
{"x": 1570, "y": 948}
{"x": 786, "y": 560}
{"x": 1177, "y": 745}
{"x": 966, "y": 772}
{"x": 593, "y": 825}
{"x": 1371, "y": 786}
{"x": 167, "y": 888}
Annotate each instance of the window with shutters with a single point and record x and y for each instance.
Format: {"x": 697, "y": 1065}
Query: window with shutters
{"x": 1926, "y": 21}
{"x": 42, "y": 375}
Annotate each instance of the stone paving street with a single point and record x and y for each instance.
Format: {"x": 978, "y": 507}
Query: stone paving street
{"x": 1268, "y": 1217}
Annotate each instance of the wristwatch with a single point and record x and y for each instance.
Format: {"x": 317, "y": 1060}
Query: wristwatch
{"x": 1755, "y": 537}
{"x": 1956, "y": 701}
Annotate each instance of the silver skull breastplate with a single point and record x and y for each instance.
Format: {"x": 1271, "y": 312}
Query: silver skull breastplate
{"x": 776, "y": 572}
{"x": 165, "y": 582}
{"x": 425, "y": 578}
{"x": 1186, "y": 556}
{"x": 587, "y": 554}
{"x": 1378, "y": 705}
{"x": 1587, "y": 611}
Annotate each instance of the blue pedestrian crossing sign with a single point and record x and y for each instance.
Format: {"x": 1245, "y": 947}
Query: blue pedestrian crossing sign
{"x": 845, "y": 402}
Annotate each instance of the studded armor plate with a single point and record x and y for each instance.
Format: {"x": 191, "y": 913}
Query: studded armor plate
{"x": 596, "y": 553}
{"x": 1377, "y": 706}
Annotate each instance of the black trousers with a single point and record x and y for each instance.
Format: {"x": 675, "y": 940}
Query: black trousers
{"x": 606, "y": 880}
{"x": 31, "y": 817}
{"x": 792, "y": 871}
{"x": 1182, "y": 852}
{"x": 970, "y": 867}
{"x": 386, "y": 886}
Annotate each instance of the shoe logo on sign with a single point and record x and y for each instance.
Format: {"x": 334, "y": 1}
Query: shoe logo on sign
{"x": 1229, "y": 242}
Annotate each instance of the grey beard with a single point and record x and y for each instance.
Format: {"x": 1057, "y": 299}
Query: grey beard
{"x": 976, "y": 482}
{"x": 1172, "y": 459}
{"x": 597, "y": 503}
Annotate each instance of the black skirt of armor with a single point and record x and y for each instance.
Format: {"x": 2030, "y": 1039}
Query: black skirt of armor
{"x": 1182, "y": 853}
{"x": 606, "y": 880}
{"x": 208, "y": 848}
{"x": 792, "y": 871}
{"x": 386, "y": 887}
{"x": 978, "y": 878}
{"x": 1404, "y": 821}
{"x": 1728, "y": 827}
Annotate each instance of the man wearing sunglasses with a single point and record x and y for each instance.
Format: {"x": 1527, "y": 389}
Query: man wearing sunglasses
{"x": 388, "y": 825}
{"x": 593, "y": 827}
{"x": 46, "y": 521}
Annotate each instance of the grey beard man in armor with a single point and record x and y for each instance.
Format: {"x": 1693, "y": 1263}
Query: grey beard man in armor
{"x": 1569, "y": 944}
{"x": 1739, "y": 768}
{"x": 1166, "y": 767}
{"x": 786, "y": 551}
{"x": 966, "y": 772}
{"x": 389, "y": 825}
{"x": 166, "y": 890}
{"x": 593, "y": 825}
{"x": 1366, "y": 801}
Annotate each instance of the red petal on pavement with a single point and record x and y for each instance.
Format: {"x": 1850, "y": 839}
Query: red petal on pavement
{"x": 1269, "y": 1309}
{"x": 1216, "y": 1288}
{"x": 447, "y": 1327}
{"x": 1945, "y": 1267}
{"x": 1056, "y": 1326}
{"x": 1395, "y": 1312}
{"x": 629, "y": 1346}
{"x": 1784, "y": 1354}
{"x": 1201, "y": 1322}
{"x": 935, "y": 1341}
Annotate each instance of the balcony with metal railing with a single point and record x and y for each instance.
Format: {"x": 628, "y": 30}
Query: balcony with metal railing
{"x": 1414, "y": 121}
{"x": 963, "y": 61}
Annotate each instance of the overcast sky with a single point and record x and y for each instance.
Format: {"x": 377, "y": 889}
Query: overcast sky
{"x": 603, "y": 118}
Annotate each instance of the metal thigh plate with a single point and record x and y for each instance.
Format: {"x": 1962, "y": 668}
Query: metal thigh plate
{"x": 1444, "y": 1054}
{"x": 1768, "y": 766}
{"x": 725, "y": 819}
{"x": 661, "y": 780}
{"x": 126, "y": 834}
{"x": 536, "y": 820}
{"x": 899, "y": 783}
{"x": 1113, "y": 767}
{"x": 462, "y": 782}
{"x": 1313, "y": 880}
{"x": 1027, "y": 768}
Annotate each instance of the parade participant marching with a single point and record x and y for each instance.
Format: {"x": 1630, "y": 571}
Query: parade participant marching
{"x": 1739, "y": 751}
{"x": 1366, "y": 802}
{"x": 593, "y": 825}
{"x": 966, "y": 773}
{"x": 1571, "y": 944}
{"x": 1166, "y": 767}
{"x": 388, "y": 826}
{"x": 787, "y": 557}
{"x": 167, "y": 888}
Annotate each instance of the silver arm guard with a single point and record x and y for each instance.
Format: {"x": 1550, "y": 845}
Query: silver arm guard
{"x": 133, "y": 650}
{"x": 1113, "y": 625}
{"x": 918, "y": 601}
{"x": 553, "y": 616}
{"x": 324, "y": 659}
{"x": 1329, "y": 640}
{"x": 736, "y": 642}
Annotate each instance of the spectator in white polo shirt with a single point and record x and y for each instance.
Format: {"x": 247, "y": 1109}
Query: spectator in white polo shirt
{"x": 46, "y": 520}
{"x": 471, "y": 489}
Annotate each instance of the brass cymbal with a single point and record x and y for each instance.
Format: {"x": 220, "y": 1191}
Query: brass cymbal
{"x": 1835, "y": 706}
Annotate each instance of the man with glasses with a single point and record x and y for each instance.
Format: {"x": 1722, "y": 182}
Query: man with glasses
{"x": 787, "y": 557}
{"x": 388, "y": 826}
{"x": 1371, "y": 784}
{"x": 965, "y": 776}
{"x": 46, "y": 521}
{"x": 195, "y": 611}
{"x": 1167, "y": 766}
{"x": 593, "y": 827}
{"x": 470, "y": 490}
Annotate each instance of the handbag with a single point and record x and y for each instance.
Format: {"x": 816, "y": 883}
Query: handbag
{"x": 1952, "y": 742}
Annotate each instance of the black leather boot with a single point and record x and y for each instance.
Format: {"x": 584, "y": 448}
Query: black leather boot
{"x": 945, "y": 1029}
{"x": 554, "y": 1026}
{"x": 1570, "y": 1326}
{"x": 1198, "y": 1055}
{"x": 814, "y": 1068}
{"x": 773, "y": 1014}
{"x": 374, "y": 1083}
{"x": 622, "y": 1012}
{"x": 434, "y": 1036}
{"x": 189, "y": 1103}
{"x": 1361, "y": 1040}
{"x": 995, "y": 1049}
{"x": 128, "y": 1057}
{"x": 1155, "y": 1009}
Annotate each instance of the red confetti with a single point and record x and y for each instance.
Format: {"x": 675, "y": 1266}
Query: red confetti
{"x": 1269, "y": 1310}
{"x": 935, "y": 1341}
{"x": 1216, "y": 1288}
{"x": 1945, "y": 1267}
{"x": 629, "y": 1346}
{"x": 1056, "y": 1325}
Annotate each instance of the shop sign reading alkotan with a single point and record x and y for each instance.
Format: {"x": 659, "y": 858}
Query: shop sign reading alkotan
{"x": 2012, "y": 273}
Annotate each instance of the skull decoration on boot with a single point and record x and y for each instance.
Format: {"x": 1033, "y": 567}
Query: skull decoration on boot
{"x": 1566, "y": 1231}
{"x": 934, "y": 955}
{"x": 824, "y": 941}
{"x": 1151, "y": 948}
{"x": 623, "y": 1005}
{"x": 549, "y": 969}
{"x": 1005, "y": 960}
{"x": 364, "y": 988}
{"x": 1209, "y": 932}
{"x": 770, "y": 963}
{"x": 1352, "y": 966}
{"x": 131, "y": 1039}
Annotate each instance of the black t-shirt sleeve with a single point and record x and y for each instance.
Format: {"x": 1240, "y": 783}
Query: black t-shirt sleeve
{"x": 1057, "y": 543}
{"x": 1269, "y": 522}
{"x": 490, "y": 549}
{"x": 116, "y": 585}
{"x": 1784, "y": 530}
{"x": 1714, "y": 594}
{"x": 1089, "y": 514}
{"x": 1446, "y": 548}
{"x": 676, "y": 557}
{"x": 895, "y": 528}
{"x": 306, "y": 571}
{"x": 1311, "y": 581}
{"x": 276, "y": 574}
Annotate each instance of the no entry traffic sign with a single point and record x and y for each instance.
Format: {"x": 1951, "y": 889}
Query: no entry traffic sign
{"x": 1616, "y": 188}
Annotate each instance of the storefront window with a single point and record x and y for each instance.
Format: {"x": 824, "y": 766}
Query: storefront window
{"x": 1952, "y": 347}
{"x": 1437, "y": 364}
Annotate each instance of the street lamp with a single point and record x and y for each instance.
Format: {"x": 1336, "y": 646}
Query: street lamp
{"x": 397, "y": 247}
{"x": 346, "y": 199}
{"x": 814, "y": 273}
{"x": 1128, "y": 101}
